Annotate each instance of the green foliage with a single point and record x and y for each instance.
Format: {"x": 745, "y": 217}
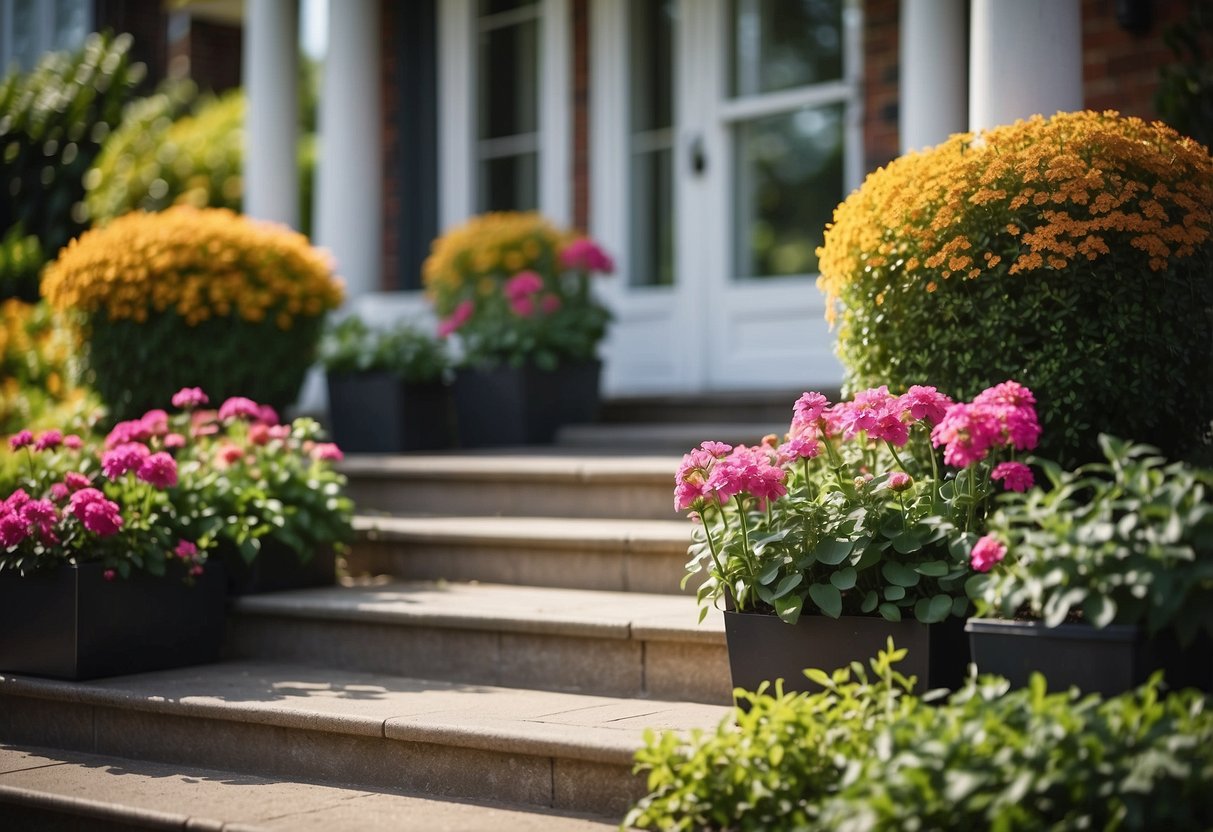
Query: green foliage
{"x": 163, "y": 156}
{"x": 40, "y": 370}
{"x": 21, "y": 260}
{"x": 1126, "y": 541}
{"x": 1185, "y": 86}
{"x": 136, "y": 365}
{"x": 865, "y": 754}
{"x": 53, "y": 121}
{"x": 405, "y": 351}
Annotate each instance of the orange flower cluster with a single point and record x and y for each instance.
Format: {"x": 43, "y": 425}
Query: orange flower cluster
{"x": 200, "y": 263}
{"x": 1038, "y": 194}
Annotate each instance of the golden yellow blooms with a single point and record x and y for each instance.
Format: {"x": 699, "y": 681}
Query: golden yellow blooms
{"x": 199, "y": 263}
{"x": 486, "y": 250}
{"x": 38, "y": 358}
{"x": 1041, "y": 193}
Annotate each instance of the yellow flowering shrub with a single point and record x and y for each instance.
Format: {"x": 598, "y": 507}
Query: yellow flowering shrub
{"x": 199, "y": 297}
{"x": 1071, "y": 253}
{"x": 38, "y": 369}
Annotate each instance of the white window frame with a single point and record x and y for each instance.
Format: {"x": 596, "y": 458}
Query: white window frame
{"x": 44, "y": 31}
{"x": 458, "y": 35}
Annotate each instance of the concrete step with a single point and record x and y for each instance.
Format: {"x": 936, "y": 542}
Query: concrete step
{"x": 738, "y": 406}
{"x": 607, "y": 643}
{"x": 49, "y": 790}
{"x": 578, "y": 553}
{"x": 562, "y": 751}
{"x": 655, "y": 437}
{"x": 547, "y": 482}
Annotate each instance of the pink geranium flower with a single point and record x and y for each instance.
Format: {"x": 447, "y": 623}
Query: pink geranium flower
{"x": 174, "y": 440}
{"x": 159, "y": 470}
{"x": 550, "y": 304}
{"x": 13, "y": 529}
{"x": 523, "y": 284}
{"x": 690, "y": 483}
{"x": 327, "y": 451}
{"x": 523, "y": 307}
{"x": 21, "y": 440}
{"x": 75, "y": 481}
{"x": 925, "y": 403}
{"x": 460, "y": 316}
{"x": 49, "y": 441}
{"x": 99, "y": 515}
{"x": 60, "y": 492}
{"x": 189, "y": 397}
{"x": 73, "y": 442}
{"x": 1015, "y": 476}
{"x": 899, "y": 481}
{"x": 126, "y": 457}
{"x": 807, "y": 412}
{"x": 967, "y": 432}
{"x": 747, "y": 471}
{"x": 155, "y": 422}
{"x": 239, "y": 407}
{"x": 132, "y": 430}
{"x": 41, "y": 516}
{"x": 185, "y": 550}
{"x": 988, "y": 551}
{"x": 798, "y": 447}
{"x": 584, "y": 255}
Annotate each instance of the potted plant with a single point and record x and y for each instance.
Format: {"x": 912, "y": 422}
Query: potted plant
{"x": 852, "y": 530}
{"x": 1101, "y": 578}
{"x": 386, "y": 388}
{"x": 101, "y": 572}
{"x": 515, "y": 292}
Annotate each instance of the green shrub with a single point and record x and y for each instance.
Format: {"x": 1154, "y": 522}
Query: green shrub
{"x": 405, "y": 351}
{"x": 53, "y": 121}
{"x": 865, "y": 754}
{"x": 1185, "y": 86}
{"x": 1071, "y": 254}
{"x": 21, "y": 260}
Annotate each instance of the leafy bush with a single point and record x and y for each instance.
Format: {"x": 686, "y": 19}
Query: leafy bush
{"x": 404, "y": 351}
{"x": 1072, "y": 254}
{"x": 161, "y": 157}
{"x": 194, "y": 296}
{"x": 21, "y": 260}
{"x": 53, "y": 121}
{"x": 865, "y": 754}
{"x": 1185, "y": 86}
{"x": 1126, "y": 541}
{"x": 39, "y": 370}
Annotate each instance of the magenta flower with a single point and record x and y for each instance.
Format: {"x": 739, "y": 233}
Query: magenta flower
{"x": 523, "y": 307}
{"x": 1022, "y": 427}
{"x": 807, "y": 412}
{"x": 126, "y": 457}
{"x": 584, "y": 255}
{"x": 1007, "y": 394}
{"x": 523, "y": 284}
{"x": 21, "y": 440}
{"x": 690, "y": 483}
{"x": 280, "y": 432}
{"x": 174, "y": 440}
{"x": 1015, "y": 476}
{"x": 41, "y": 516}
{"x": 266, "y": 415}
{"x": 13, "y": 529}
{"x": 75, "y": 481}
{"x": 798, "y": 447}
{"x": 60, "y": 492}
{"x": 133, "y": 430}
{"x": 874, "y": 412}
{"x": 185, "y": 550}
{"x": 159, "y": 470}
{"x": 16, "y": 500}
{"x": 327, "y": 451}
{"x": 189, "y": 397}
{"x": 49, "y": 441}
{"x": 967, "y": 431}
{"x": 156, "y": 422}
{"x": 550, "y": 304}
{"x": 899, "y": 481}
{"x": 73, "y": 442}
{"x": 987, "y": 552}
{"x": 109, "y": 574}
{"x": 460, "y": 316}
{"x": 238, "y": 407}
{"x": 98, "y": 514}
{"x": 717, "y": 449}
{"x": 747, "y": 471}
{"x": 925, "y": 403}
{"x": 83, "y": 497}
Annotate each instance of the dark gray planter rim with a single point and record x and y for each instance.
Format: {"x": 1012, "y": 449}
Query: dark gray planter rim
{"x": 1031, "y": 629}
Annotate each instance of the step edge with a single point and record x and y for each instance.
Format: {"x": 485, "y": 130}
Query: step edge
{"x": 597, "y": 535}
{"x": 95, "y": 809}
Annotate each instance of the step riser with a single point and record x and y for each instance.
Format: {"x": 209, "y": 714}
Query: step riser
{"x": 292, "y": 753}
{"x": 634, "y": 500}
{"x": 658, "y": 572}
{"x": 668, "y": 670}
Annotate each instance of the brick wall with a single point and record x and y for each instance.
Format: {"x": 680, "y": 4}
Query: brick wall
{"x": 581, "y": 114}
{"x": 147, "y": 23}
{"x": 881, "y": 60}
{"x": 390, "y": 38}
{"x": 214, "y": 52}
{"x": 1120, "y": 68}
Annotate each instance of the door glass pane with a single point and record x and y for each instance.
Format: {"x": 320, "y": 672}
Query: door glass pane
{"x": 509, "y": 80}
{"x": 494, "y": 6}
{"x": 71, "y": 23}
{"x": 25, "y": 33}
{"x": 651, "y": 136}
{"x": 510, "y": 183}
{"x": 781, "y": 44}
{"x": 789, "y": 177}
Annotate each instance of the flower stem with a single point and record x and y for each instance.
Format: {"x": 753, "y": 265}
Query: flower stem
{"x": 896, "y": 457}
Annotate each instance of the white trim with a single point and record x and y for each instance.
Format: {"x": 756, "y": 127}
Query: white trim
{"x": 774, "y": 103}
{"x": 510, "y": 18}
{"x": 556, "y": 113}
{"x": 456, "y": 91}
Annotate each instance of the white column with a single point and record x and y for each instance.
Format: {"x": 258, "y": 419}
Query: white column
{"x": 1025, "y": 59}
{"x": 271, "y": 122}
{"x": 934, "y": 72}
{"x": 349, "y": 204}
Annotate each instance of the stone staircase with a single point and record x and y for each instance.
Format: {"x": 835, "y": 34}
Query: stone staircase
{"x": 510, "y": 625}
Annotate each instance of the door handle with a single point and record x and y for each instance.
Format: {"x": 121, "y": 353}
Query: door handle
{"x": 699, "y": 159}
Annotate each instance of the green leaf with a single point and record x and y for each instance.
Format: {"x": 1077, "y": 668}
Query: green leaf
{"x": 933, "y": 610}
{"x": 789, "y": 608}
{"x": 890, "y": 612}
{"x": 894, "y": 593}
{"x": 788, "y": 584}
{"x": 907, "y": 542}
{"x": 870, "y": 600}
{"x": 1099, "y": 610}
{"x": 827, "y": 598}
{"x": 844, "y": 578}
{"x": 899, "y": 574}
{"x": 932, "y": 569}
{"x": 833, "y": 551}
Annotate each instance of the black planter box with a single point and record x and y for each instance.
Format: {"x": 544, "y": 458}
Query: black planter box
{"x": 71, "y": 623}
{"x": 1110, "y": 660}
{"x": 525, "y": 405}
{"x": 277, "y": 567}
{"x": 379, "y": 413}
{"x": 765, "y": 648}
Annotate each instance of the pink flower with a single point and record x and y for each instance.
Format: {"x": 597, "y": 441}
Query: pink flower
{"x": 1022, "y": 427}
{"x": 185, "y": 550}
{"x": 174, "y": 440}
{"x": 1015, "y": 476}
{"x": 987, "y": 552}
{"x": 83, "y": 497}
{"x": 98, "y": 514}
{"x": 73, "y": 442}
{"x": 584, "y": 255}
{"x": 523, "y": 284}
{"x": 16, "y": 500}
{"x": 189, "y": 397}
{"x": 717, "y": 449}
{"x": 75, "y": 481}
{"x": 48, "y": 441}
{"x": 60, "y": 492}
{"x": 109, "y": 574}
{"x": 196, "y": 570}
{"x": 280, "y": 432}
{"x": 460, "y": 316}
{"x": 267, "y": 415}
{"x": 690, "y": 483}
{"x": 925, "y": 403}
{"x": 873, "y": 412}
{"x": 126, "y": 457}
{"x": 13, "y": 529}
{"x": 798, "y": 447}
{"x": 202, "y": 423}
{"x": 1007, "y": 394}
{"x": 228, "y": 454}
{"x": 967, "y": 431}
{"x": 238, "y": 407}
{"x": 133, "y": 430}
{"x": 747, "y": 471}
{"x": 159, "y": 470}
{"x": 259, "y": 433}
{"x": 155, "y": 422}
{"x": 40, "y": 515}
{"x": 807, "y": 412}
{"x": 523, "y": 307}
{"x": 899, "y": 481}
{"x": 21, "y": 440}
{"x": 550, "y": 304}
{"x": 327, "y": 451}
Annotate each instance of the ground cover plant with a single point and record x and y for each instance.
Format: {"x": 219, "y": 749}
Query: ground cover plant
{"x": 1070, "y": 253}
{"x": 863, "y": 753}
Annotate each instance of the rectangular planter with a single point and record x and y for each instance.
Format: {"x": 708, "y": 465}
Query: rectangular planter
{"x": 71, "y": 623}
{"x": 277, "y": 567}
{"x": 505, "y": 406}
{"x": 764, "y": 648}
{"x": 1110, "y": 660}
{"x": 380, "y": 413}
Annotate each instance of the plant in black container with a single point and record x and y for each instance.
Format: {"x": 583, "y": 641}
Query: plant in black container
{"x": 516, "y": 294}
{"x": 850, "y": 531}
{"x": 387, "y": 391}
{"x": 1101, "y": 578}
